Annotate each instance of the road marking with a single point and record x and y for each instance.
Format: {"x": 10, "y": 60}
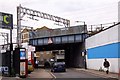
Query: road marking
{"x": 52, "y": 75}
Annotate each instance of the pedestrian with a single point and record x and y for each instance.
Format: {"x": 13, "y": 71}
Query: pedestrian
{"x": 106, "y": 65}
{"x": 36, "y": 64}
{"x": 2, "y": 69}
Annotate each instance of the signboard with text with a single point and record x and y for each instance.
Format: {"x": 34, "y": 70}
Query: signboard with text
{"x": 6, "y": 21}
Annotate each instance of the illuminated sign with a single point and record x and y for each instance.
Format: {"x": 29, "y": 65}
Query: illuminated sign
{"x": 22, "y": 55}
{"x": 6, "y": 20}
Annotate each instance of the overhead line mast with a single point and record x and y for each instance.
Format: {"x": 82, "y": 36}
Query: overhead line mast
{"x": 21, "y": 11}
{"x": 34, "y": 13}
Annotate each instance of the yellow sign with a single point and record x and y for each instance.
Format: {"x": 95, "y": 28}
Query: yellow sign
{"x": 5, "y": 17}
{"x": 6, "y": 20}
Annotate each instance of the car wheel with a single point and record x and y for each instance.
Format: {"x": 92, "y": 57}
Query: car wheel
{"x": 64, "y": 70}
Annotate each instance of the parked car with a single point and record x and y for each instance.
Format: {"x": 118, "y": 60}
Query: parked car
{"x": 58, "y": 67}
{"x": 30, "y": 67}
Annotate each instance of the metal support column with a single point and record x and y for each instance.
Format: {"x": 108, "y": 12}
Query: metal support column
{"x": 19, "y": 25}
{"x": 11, "y": 52}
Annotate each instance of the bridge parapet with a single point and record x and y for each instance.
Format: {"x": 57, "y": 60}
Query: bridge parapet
{"x": 58, "y": 32}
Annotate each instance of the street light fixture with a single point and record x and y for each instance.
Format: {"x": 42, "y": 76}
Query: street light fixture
{"x": 85, "y": 27}
{"x": 83, "y": 24}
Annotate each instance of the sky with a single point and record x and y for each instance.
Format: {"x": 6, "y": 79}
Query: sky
{"x": 91, "y": 11}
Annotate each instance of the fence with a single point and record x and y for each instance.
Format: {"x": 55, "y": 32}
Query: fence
{"x": 99, "y": 27}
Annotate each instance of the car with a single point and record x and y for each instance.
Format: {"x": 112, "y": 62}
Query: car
{"x": 58, "y": 67}
{"x": 30, "y": 67}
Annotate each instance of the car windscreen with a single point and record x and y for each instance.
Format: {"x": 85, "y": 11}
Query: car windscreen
{"x": 59, "y": 63}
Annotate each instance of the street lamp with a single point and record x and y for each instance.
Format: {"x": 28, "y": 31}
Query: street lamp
{"x": 83, "y": 24}
{"x": 80, "y": 21}
{"x": 84, "y": 52}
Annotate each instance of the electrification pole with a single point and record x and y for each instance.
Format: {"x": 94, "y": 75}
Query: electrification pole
{"x": 21, "y": 11}
{"x": 19, "y": 26}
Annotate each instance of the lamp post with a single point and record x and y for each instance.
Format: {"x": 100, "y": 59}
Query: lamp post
{"x": 80, "y": 21}
{"x": 84, "y": 49}
{"x": 19, "y": 26}
{"x": 83, "y": 24}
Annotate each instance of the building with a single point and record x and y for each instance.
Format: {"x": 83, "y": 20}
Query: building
{"x": 103, "y": 45}
{"x": 25, "y": 35}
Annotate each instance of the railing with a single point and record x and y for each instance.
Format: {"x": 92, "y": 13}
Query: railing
{"x": 57, "y": 32}
{"x": 93, "y": 29}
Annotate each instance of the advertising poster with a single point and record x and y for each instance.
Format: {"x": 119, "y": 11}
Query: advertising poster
{"x": 29, "y": 56}
{"x": 22, "y": 55}
{"x": 22, "y": 68}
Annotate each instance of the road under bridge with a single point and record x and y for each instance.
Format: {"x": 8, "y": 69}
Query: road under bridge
{"x": 73, "y": 44}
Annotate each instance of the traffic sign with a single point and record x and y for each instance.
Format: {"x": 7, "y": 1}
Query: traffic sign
{"x": 6, "y": 20}
{"x": 50, "y": 41}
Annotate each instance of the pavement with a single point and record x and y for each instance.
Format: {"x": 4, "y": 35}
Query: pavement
{"x": 40, "y": 73}
{"x": 36, "y": 74}
{"x": 101, "y": 73}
